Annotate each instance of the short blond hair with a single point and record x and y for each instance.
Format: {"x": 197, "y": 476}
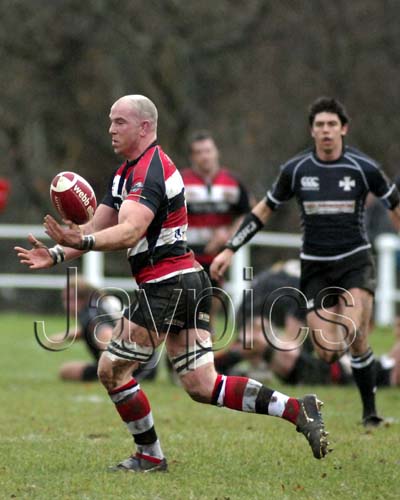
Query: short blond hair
{"x": 145, "y": 108}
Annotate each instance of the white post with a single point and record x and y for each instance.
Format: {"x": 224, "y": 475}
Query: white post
{"x": 93, "y": 268}
{"x": 241, "y": 260}
{"x": 386, "y": 245}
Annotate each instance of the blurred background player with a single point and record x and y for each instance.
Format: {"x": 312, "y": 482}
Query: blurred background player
{"x": 95, "y": 335}
{"x": 296, "y": 363}
{"x": 4, "y": 193}
{"x": 274, "y": 292}
{"x": 96, "y": 315}
{"x": 388, "y": 365}
{"x": 215, "y": 199}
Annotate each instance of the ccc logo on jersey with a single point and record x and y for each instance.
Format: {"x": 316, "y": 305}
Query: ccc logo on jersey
{"x": 309, "y": 183}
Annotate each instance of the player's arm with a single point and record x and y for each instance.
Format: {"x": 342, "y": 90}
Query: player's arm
{"x": 42, "y": 257}
{"x": 104, "y": 217}
{"x": 221, "y": 234}
{"x": 386, "y": 191}
{"x": 134, "y": 217}
{"x": 251, "y": 224}
{"x": 133, "y": 221}
{"x": 391, "y": 199}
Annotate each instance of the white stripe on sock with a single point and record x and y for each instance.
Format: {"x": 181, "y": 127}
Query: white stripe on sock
{"x": 277, "y": 404}
{"x": 250, "y": 395}
{"x": 153, "y": 449}
{"x": 221, "y": 395}
{"x": 119, "y": 396}
{"x": 141, "y": 425}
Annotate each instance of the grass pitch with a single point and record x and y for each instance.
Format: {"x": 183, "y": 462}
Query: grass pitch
{"x": 57, "y": 439}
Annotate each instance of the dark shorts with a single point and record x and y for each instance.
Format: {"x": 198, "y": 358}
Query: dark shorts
{"x": 178, "y": 303}
{"x": 214, "y": 283}
{"x": 355, "y": 271}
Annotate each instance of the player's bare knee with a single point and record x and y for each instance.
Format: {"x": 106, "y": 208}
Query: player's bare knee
{"x": 199, "y": 398}
{"x": 105, "y": 374}
{"x": 199, "y": 383}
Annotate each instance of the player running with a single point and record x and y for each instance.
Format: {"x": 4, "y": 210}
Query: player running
{"x": 330, "y": 182}
{"x": 144, "y": 211}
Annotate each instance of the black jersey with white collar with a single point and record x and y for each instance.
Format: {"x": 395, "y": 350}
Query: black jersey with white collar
{"x": 331, "y": 197}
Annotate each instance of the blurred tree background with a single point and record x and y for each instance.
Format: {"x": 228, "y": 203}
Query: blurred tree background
{"x": 246, "y": 70}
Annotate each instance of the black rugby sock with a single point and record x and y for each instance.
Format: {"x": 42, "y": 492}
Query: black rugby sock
{"x": 364, "y": 374}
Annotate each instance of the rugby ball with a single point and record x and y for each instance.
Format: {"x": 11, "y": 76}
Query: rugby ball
{"x": 73, "y": 197}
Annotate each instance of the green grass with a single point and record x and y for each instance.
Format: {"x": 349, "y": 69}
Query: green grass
{"x": 58, "y": 438}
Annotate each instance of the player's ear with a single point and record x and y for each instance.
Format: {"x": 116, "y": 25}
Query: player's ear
{"x": 345, "y": 129}
{"x": 144, "y": 128}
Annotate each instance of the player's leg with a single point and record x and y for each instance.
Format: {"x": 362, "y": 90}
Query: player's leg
{"x": 238, "y": 351}
{"x": 78, "y": 371}
{"x": 192, "y": 357}
{"x": 362, "y": 357}
{"x": 328, "y": 340}
{"x": 322, "y": 306}
{"x": 307, "y": 369}
{"x": 358, "y": 278}
{"x": 132, "y": 345}
{"x": 297, "y": 364}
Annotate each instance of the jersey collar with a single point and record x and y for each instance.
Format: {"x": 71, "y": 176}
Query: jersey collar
{"x": 131, "y": 163}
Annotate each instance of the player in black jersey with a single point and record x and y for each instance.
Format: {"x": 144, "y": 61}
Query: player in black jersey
{"x": 330, "y": 182}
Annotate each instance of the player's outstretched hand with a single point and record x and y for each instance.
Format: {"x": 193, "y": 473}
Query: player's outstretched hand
{"x": 38, "y": 257}
{"x": 70, "y": 236}
{"x": 220, "y": 264}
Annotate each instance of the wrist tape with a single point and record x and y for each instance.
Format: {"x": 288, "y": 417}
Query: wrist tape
{"x": 57, "y": 254}
{"x": 87, "y": 242}
{"x": 250, "y": 226}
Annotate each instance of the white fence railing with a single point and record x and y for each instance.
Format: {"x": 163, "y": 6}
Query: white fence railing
{"x": 387, "y": 245}
{"x": 387, "y": 293}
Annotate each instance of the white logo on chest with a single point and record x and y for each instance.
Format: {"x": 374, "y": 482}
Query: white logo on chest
{"x": 309, "y": 183}
{"x": 347, "y": 183}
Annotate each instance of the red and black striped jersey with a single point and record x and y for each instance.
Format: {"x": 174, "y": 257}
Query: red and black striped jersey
{"x": 211, "y": 206}
{"x": 153, "y": 180}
